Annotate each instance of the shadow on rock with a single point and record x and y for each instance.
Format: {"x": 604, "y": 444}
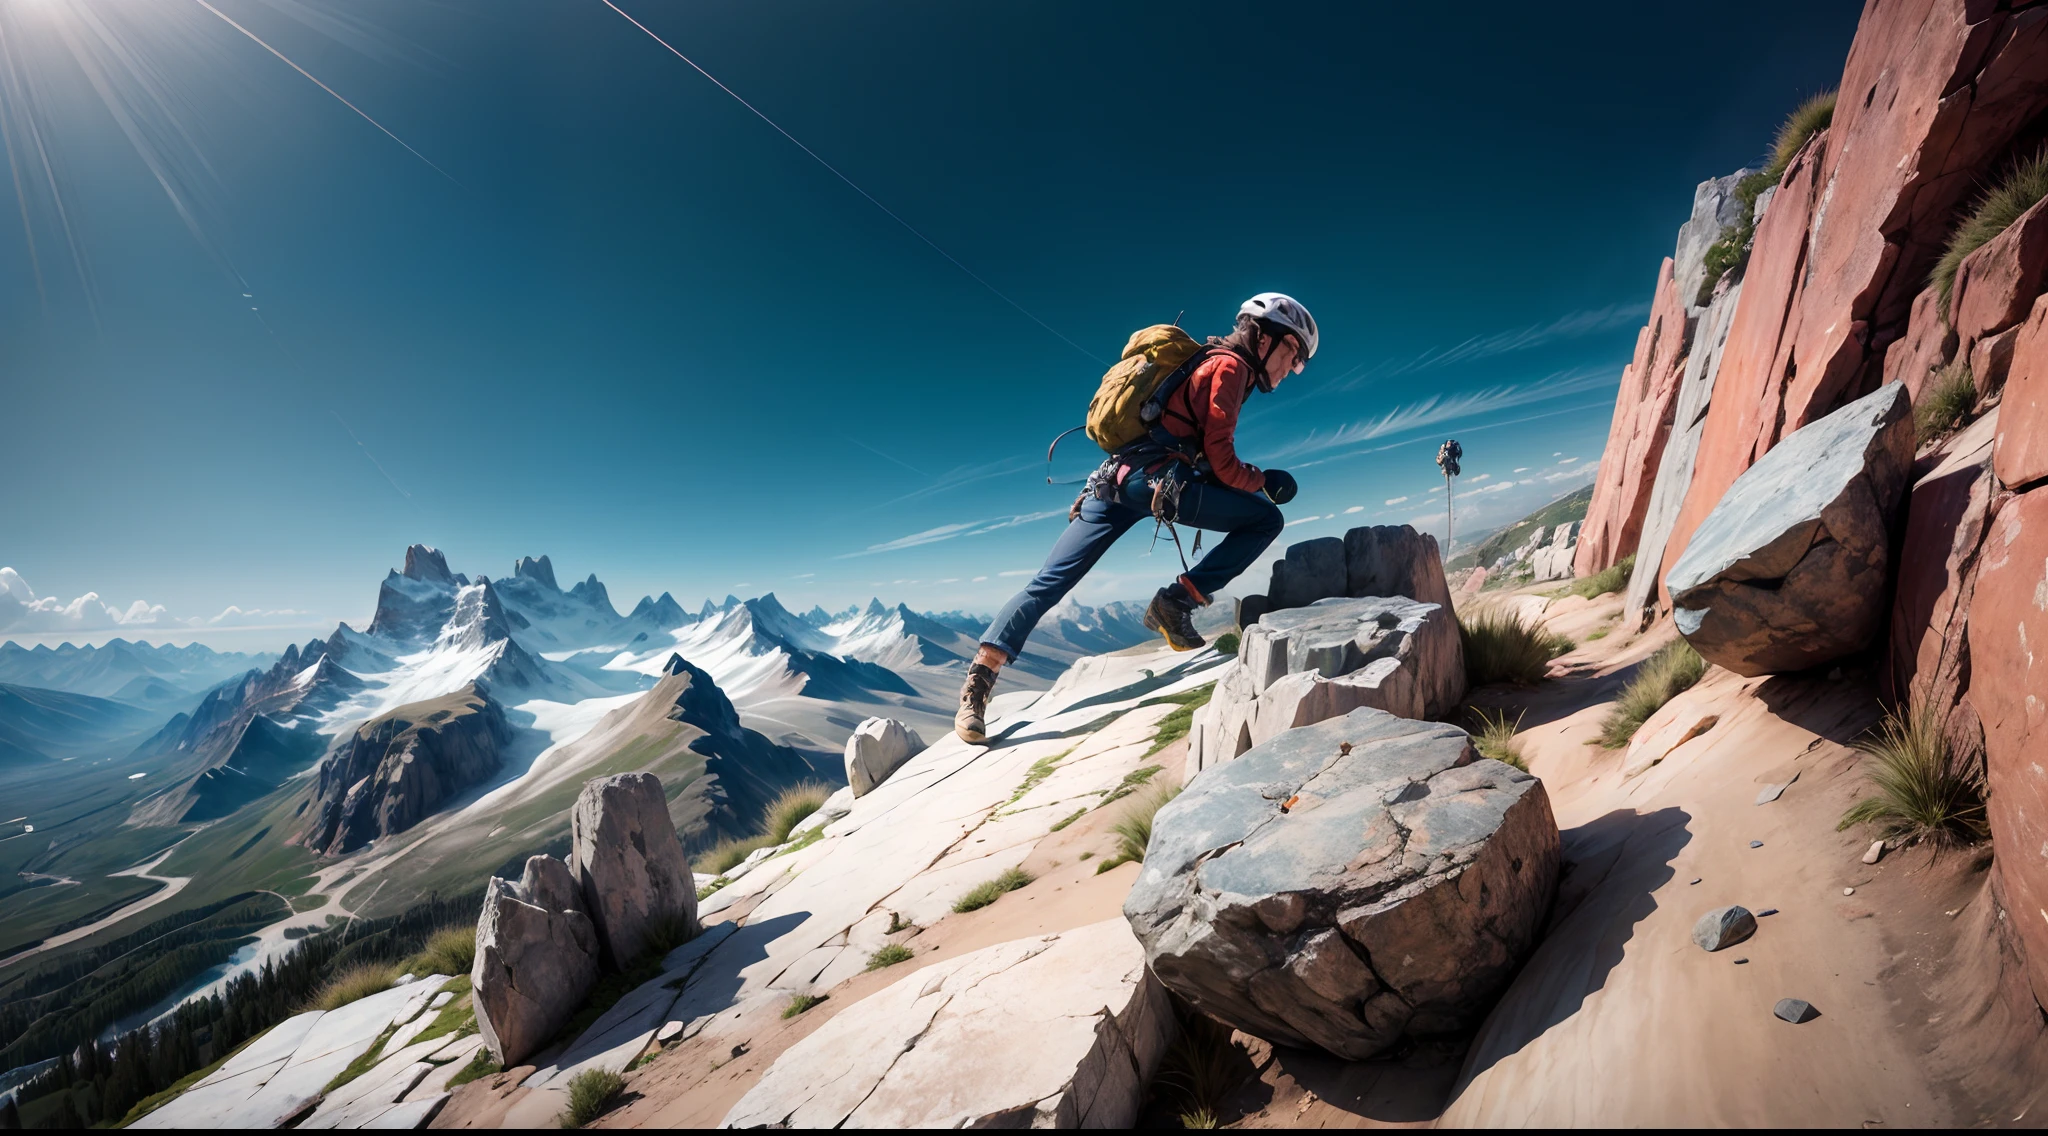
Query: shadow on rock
{"x": 1840, "y": 710}
{"x": 1613, "y": 867}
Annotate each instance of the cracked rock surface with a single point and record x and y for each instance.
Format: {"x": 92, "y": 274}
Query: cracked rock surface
{"x": 536, "y": 958}
{"x": 1307, "y": 664}
{"x": 1791, "y": 568}
{"x": 1057, "y": 1031}
{"x": 1317, "y": 896}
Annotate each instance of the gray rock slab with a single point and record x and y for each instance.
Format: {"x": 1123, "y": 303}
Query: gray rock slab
{"x": 1306, "y": 664}
{"x": 410, "y": 1114}
{"x": 620, "y": 1033}
{"x": 1396, "y": 893}
{"x": 1791, "y": 569}
{"x": 1053, "y": 1031}
{"x": 629, "y": 862}
{"x": 536, "y": 958}
{"x": 1723, "y": 927}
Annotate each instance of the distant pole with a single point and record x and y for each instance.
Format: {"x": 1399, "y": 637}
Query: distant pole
{"x": 1447, "y": 456}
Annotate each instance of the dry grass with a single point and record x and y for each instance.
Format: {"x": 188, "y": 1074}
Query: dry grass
{"x": 1661, "y": 677}
{"x": 798, "y": 1003}
{"x": 1921, "y": 793}
{"x": 790, "y": 808}
{"x": 1134, "y": 829}
{"x": 1501, "y": 648}
{"x": 889, "y": 955}
{"x": 354, "y": 984}
{"x": 1201, "y": 1069}
{"x": 1811, "y": 117}
{"x": 1612, "y": 578}
{"x": 1495, "y": 738}
{"x": 1945, "y": 403}
{"x": 450, "y": 950}
{"x": 983, "y": 894}
{"x": 2024, "y": 185}
{"x": 590, "y": 1093}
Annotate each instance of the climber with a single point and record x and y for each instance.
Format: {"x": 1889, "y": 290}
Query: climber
{"x": 1182, "y": 468}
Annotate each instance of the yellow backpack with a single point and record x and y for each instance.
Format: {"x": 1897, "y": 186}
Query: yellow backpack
{"x": 1127, "y": 405}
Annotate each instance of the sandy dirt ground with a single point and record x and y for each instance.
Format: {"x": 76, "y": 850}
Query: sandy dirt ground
{"x": 1619, "y": 1019}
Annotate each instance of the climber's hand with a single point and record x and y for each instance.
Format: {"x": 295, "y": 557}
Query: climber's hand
{"x": 1280, "y": 486}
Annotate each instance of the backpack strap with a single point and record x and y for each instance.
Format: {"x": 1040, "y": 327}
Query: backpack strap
{"x": 1153, "y": 413}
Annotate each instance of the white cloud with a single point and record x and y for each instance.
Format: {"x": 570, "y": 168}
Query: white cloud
{"x": 1395, "y": 500}
{"x": 1439, "y": 409}
{"x": 950, "y": 532}
{"x": 1521, "y": 469}
{"x": 1306, "y": 520}
{"x": 21, "y": 610}
{"x": 977, "y": 579}
{"x": 1495, "y": 487}
{"x": 1568, "y": 326}
{"x": 1480, "y": 478}
{"x": 1436, "y": 489}
{"x": 1526, "y": 481}
{"x": 233, "y": 616}
{"x": 1567, "y": 461}
{"x": 1017, "y": 572}
{"x": 1354, "y": 509}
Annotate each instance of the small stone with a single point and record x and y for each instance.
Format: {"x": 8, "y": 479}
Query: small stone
{"x": 1766, "y": 911}
{"x": 1756, "y": 844}
{"x": 1696, "y": 879}
{"x": 1874, "y": 852}
{"x": 1723, "y": 927}
{"x": 1848, "y": 891}
{"x": 1798, "y": 1011}
{"x": 1740, "y": 961}
{"x": 667, "y": 1032}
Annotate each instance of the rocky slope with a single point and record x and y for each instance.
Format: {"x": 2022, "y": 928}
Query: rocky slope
{"x": 1939, "y": 101}
{"x": 399, "y": 767}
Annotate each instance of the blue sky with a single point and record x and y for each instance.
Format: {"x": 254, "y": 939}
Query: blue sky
{"x": 606, "y": 313}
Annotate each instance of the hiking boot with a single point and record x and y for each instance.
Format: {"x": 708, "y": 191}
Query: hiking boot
{"x": 971, "y": 720}
{"x": 1174, "y": 618}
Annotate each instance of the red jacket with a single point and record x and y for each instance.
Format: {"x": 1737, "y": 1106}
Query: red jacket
{"x": 1207, "y": 405}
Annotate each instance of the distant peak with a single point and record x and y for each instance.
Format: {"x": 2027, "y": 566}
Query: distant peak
{"x": 875, "y": 606}
{"x": 424, "y": 563}
{"x": 536, "y": 569}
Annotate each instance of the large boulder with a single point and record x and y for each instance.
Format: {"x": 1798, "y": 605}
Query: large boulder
{"x": 536, "y": 959}
{"x": 1307, "y": 664}
{"x": 876, "y": 747}
{"x": 629, "y": 863}
{"x": 1053, "y": 1031}
{"x": 1790, "y": 570}
{"x": 1348, "y": 883}
{"x": 2022, "y": 449}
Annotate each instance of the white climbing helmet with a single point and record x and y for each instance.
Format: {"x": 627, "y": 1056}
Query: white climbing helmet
{"x": 1285, "y": 310}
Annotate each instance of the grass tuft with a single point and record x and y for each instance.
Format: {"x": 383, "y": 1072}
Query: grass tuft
{"x": 1501, "y": 648}
{"x": 1134, "y": 828}
{"x": 726, "y": 855}
{"x": 798, "y": 1003}
{"x": 1945, "y": 403}
{"x": 983, "y": 894}
{"x": 356, "y": 983}
{"x": 1070, "y": 818}
{"x": 590, "y": 1093}
{"x": 1612, "y": 578}
{"x": 790, "y": 808}
{"x": 1921, "y": 793}
{"x": 1496, "y": 738}
{"x": 1202, "y": 1067}
{"x": 1227, "y": 643}
{"x": 889, "y": 955}
{"x": 1132, "y": 782}
{"x": 450, "y": 950}
{"x": 1812, "y": 116}
{"x": 2024, "y": 185}
{"x": 1661, "y": 677}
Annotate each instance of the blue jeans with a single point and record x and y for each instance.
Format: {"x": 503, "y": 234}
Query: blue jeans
{"x": 1250, "y": 520}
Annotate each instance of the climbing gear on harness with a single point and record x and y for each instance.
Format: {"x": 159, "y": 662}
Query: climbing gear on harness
{"x": 1286, "y": 311}
{"x": 1174, "y": 618}
{"x": 970, "y": 721}
{"x": 1280, "y": 486}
